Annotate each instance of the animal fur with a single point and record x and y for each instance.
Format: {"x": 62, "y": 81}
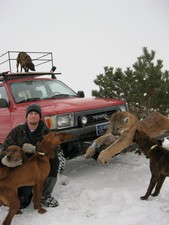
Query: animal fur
{"x": 25, "y": 62}
{"x": 32, "y": 173}
{"x": 124, "y": 125}
{"x": 159, "y": 161}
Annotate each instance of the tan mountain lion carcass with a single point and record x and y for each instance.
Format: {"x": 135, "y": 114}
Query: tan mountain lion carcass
{"x": 121, "y": 131}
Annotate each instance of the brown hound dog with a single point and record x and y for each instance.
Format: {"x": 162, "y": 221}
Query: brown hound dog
{"x": 32, "y": 173}
{"x": 159, "y": 161}
{"x": 25, "y": 62}
{"x": 12, "y": 154}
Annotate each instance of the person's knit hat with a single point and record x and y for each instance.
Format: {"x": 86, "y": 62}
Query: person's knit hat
{"x": 35, "y": 108}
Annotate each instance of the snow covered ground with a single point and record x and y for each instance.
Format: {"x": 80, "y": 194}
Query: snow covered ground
{"x": 102, "y": 195}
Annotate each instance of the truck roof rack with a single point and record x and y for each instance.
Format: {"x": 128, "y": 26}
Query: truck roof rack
{"x": 10, "y": 76}
{"x": 40, "y": 59}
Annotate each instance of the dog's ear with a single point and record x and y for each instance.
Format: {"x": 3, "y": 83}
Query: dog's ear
{"x": 65, "y": 136}
{"x": 24, "y": 158}
{"x": 134, "y": 138}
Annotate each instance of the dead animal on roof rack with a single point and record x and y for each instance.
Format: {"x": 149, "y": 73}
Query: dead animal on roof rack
{"x": 25, "y": 62}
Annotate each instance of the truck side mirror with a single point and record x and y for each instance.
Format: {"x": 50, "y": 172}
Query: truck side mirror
{"x": 3, "y": 103}
{"x": 81, "y": 94}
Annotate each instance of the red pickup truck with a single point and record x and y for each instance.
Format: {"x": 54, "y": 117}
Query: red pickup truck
{"x": 63, "y": 109}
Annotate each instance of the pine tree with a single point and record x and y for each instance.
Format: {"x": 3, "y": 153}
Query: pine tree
{"x": 108, "y": 83}
{"x": 144, "y": 86}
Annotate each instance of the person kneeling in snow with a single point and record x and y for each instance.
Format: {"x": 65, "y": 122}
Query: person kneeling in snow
{"x": 28, "y": 136}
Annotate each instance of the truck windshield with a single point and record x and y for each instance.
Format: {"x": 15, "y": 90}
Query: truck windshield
{"x": 40, "y": 89}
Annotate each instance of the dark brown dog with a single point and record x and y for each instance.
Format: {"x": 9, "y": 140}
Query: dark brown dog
{"x": 32, "y": 173}
{"x": 25, "y": 62}
{"x": 12, "y": 154}
{"x": 159, "y": 161}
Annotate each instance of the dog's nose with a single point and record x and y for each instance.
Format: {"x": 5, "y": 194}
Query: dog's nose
{"x": 8, "y": 157}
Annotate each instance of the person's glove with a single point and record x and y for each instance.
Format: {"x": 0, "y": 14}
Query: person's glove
{"x": 29, "y": 148}
{"x": 11, "y": 164}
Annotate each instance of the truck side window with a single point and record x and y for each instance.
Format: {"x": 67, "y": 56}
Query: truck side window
{"x": 3, "y": 98}
{"x": 3, "y": 93}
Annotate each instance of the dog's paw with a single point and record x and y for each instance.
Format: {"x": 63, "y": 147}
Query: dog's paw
{"x": 104, "y": 157}
{"x": 42, "y": 210}
{"x": 144, "y": 197}
{"x": 89, "y": 152}
{"x": 154, "y": 194}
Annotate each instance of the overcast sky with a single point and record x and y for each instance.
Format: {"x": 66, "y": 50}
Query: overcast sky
{"x": 86, "y": 35}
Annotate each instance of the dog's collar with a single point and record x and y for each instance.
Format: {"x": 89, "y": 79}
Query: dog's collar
{"x": 41, "y": 153}
{"x": 152, "y": 147}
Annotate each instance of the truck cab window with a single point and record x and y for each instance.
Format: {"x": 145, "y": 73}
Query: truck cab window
{"x": 3, "y": 93}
